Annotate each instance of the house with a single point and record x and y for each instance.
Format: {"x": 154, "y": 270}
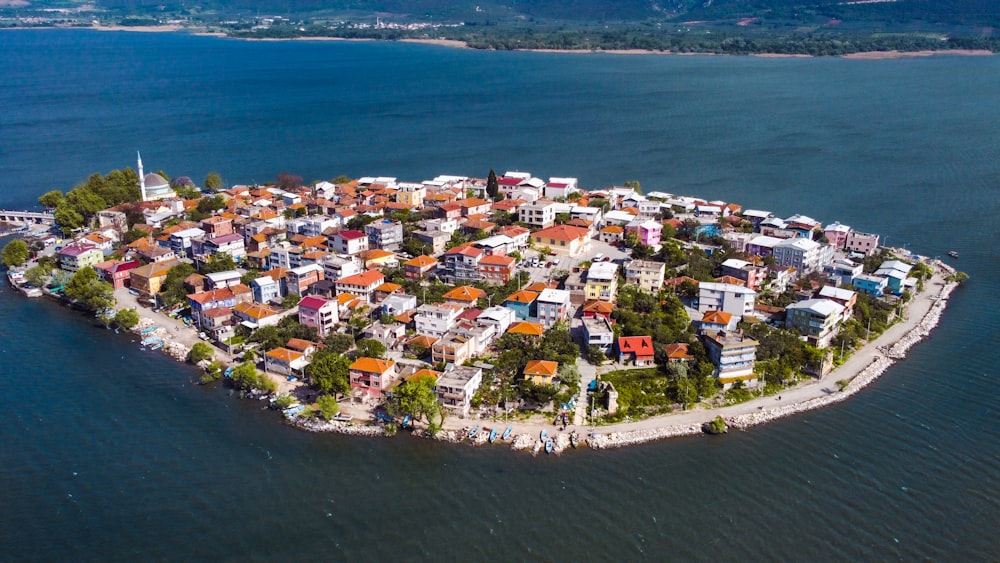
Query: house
{"x": 896, "y": 274}
{"x": 541, "y": 372}
{"x": 201, "y": 302}
{"x": 437, "y": 240}
{"x": 734, "y": 299}
{"x": 496, "y": 245}
{"x": 872, "y": 285}
{"x": 677, "y": 353}
{"x": 385, "y": 234}
{"x": 464, "y": 296}
{"x": 231, "y": 244}
{"x": 518, "y": 236}
{"x": 714, "y": 321}
{"x": 461, "y": 264}
{"x": 388, "y": 334}
{"x": 646, "y": 232}
{"x": 845, "y": 297}
{"x": 749, "y": 273}
{"x": 496, "y": 268}
{"x": 454, "y": 348}
{"x": 522, "y": 303}
{"x": 337, "y": 267}
{"x": 763, "y": 245}
{"x": 362, "y": 285}
{"x": 636, "y": 349}
{"x": 552, "y": 306}
{"x": 836, "y": 234}
{"x": 398, "y": 304}
{"x": 733, "y": 355}
{"x": 411, "y": 195}
{"x": 436, "y": 320}
{"x": 349, "y": 242}
{"x": 560, "y": 188}
{"x": 285, "y": 361}
{"x": 116, "y": 272}
{"x": 148, "y": 279}
{"x": 816, "y": 319}
{"x": 602, "y": 282}
{"x": 265, "y": 289}
{"x": 540, "y": 214}
{"x": 526, "y": 328}
{"x": 180, "y": 241}
{"x": 255, "y": 315}
{"x": 598, "y": 308}
{"x": 475, "y": 206}
{"x": 564, "y": 240}
{"x": 456, "y": 388}
{"x": 298, "y": 280}
{"x": 645, "y": 274}
{"x": 500, "y": 317}
{"x": 805, "y": 255}
{"x": 219, "y": 280}
{"x": 320, "y": 313}
{"x": 74, "y": 257}
{"x": 597, "y": 331}
{"x": 420, "y": 267}
{"x": 217, "y": 226}
{"x": 843, "y": 271}
{"x": 371, "y": 377}
{"x": 864, "y": 243}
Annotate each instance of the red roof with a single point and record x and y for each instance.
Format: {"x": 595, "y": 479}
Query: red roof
{"x": 562, "y": 232}
{"x": 313, "y": 302}
{"x": 364, "y": 279}
{"x": 351, "y": 235}
{"x": 640, "y": 345}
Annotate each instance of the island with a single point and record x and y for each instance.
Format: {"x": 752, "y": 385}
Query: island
{"x": 504, "y": 309}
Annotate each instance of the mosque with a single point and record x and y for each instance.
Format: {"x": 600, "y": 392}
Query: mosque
{"x": 152, "y": 185}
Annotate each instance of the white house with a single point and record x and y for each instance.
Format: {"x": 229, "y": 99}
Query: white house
{"x": 731, "y": 298}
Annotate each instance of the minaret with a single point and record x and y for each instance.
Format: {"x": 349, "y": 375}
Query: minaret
{"x": 142, "y": 178}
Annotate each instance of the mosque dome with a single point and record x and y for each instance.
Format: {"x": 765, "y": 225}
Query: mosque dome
{"x": 154, "y": 181}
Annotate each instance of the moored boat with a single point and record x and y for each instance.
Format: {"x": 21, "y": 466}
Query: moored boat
{"x": 493, "y": 435}
{"x": 953, "y": 253}
{"x": 473, "y": 432}
{"x": 574, "y": 439}
{"x": 544, "y": 435}
{"x": 549, "y": 445}
{"x": 507, "y": 432}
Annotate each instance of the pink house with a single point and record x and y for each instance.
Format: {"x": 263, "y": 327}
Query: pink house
{"x": 372, "y": 376}
{"x": 116, "y": 272}
{"x": 837, "y": 234}
{"x": 320, "y": 313}
{"x": 647, "y": 232}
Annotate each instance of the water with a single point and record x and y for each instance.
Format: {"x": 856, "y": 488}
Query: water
{"x": 112, "y": 453}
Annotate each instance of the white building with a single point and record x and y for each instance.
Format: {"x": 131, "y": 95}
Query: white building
{"x": 553, "y": 306}
{"x": 805, "y": 255}
{"x": 541, "y": 214}
{"x": 733, "y": 299}
{"x": 436, "y": 320}
{"x": 455, "y": 388}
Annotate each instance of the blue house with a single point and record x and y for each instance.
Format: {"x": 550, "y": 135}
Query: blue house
{"x": 523, "y": 304}
{"x": 872, "y": 285}
{"x": 265, "y": 289}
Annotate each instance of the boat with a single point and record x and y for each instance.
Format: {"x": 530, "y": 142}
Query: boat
{"x": 493, "y": 435}
{"x": 549, "y": 445}
{"x": 953, "y": 253}
{"x": 507, "y": 432}
{"x": 157, "y": 346}
{"x": 574, "y": 439}
{"x": 406, "y": 421}
{"x": 473, "y": 432}
{"x": 544, "y": 435}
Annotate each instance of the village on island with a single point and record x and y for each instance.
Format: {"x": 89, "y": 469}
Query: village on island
{"x": 505, "y": 309}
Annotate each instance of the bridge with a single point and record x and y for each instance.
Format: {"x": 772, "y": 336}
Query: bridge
{"x": 26, "y": 217}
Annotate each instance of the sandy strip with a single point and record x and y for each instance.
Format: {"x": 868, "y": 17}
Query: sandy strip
{"x": 883, "y": 55}
{"x": 454, "y": 43}
{"x": 140, "y": 28}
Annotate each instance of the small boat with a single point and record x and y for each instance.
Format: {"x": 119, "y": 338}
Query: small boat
{"x": 544, "y": 435}
{"x": 493, "y": 435}
{"x": 157, "y": 346}
{"x": 953, "y": 253}
{"x": 574, "y": 439}
{"x": 549, "y": 445}
{"x": 406, "y": 421}
{"x": 473, "y": 432}
{"x": 506, "y": 433}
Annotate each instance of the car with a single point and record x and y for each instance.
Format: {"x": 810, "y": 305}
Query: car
{"x": 599, "y": 257}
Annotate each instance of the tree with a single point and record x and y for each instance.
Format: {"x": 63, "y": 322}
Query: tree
{"x": 418, "y": 399}
{"x": 51, "y": 200}
{"x": 68, "y": 218}
{"x": 213, "y": 181}
{"x": 371, "y": 348}
{"x": 327, "y": 407}
{"x": 289, "y": 182}
{"x": 338, "y": 343}
{"x": 635, "y": 185}
{"x": 134, "y": 234}
{"x": 329, "y": 373}
{"x": 15, "y": 253}
{"x": 492, "y": 185}
{"x": 200, "y": 352}
{"x": 595, "y": 355}
{"x": 246, "y": 377}
{"x": 342, "y": 179}
{"x": 219, "y": 262}
{"x": 172, "y": 290}
{"x": 269, "y": 338}
{"x": 38, "y": 275}
{"x": 211, "y": 204}
{"x": 90, "y": 291}
{"x": 127, "y": 318}
{"x": 291, "y": 300}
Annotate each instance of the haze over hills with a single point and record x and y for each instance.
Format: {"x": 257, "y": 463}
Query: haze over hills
{"x": 953, "y": 12}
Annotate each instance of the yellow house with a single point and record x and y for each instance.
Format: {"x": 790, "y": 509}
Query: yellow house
{"x": 411, "y": 195}
{"x": 77, "y": 256}
{"x": 148, "y": 279}
{"x": 602, "y": 282}
{"x": 541, "y": 372}
{"x": 565, "y": 240}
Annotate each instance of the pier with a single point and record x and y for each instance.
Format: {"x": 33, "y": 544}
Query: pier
{"x": 27, "y": 217}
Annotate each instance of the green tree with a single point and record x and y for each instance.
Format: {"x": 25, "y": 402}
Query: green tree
{"x": 635, "y": 185}
{"x": 329, "y": 373}
{"x": 51, "y": 200}
{"x": 370, "y": 348}
{"x": 211, "y": 204}
{"x": 15, "y": 253}
{"x": 213, "y": 181}
{"x": 338, "y": 343}
{"x": 246, "y": 377}
{"x": 492, "y": 185}
{"x": 172, "y": 290}
{"x": 127, "y": 318}
{"x": 38, "y": 275}
{"x": 269, "y": 338}
{"x": 220, "y": 262}
{"x": 87, "y": 288}
{"x": 134, "y": 234}
{"x": 68, "y": 218}
{"x": 200, "y": 352}
{"x": 595, "y": 355}
{"x": 291, "y": 300}
{"x": 418, "y": 399}
{"x": 327, "y": 407}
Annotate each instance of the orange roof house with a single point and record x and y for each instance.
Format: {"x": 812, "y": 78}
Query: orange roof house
{"x": 677, "y": 352}
{"x": 464, "y": 295}
{"x": 541, "y": 372}
{"x": 526, "y": 328}
{"x": 637, "y": 349}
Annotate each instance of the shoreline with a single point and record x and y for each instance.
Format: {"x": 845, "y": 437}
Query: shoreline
{"x": 461, "y": 44}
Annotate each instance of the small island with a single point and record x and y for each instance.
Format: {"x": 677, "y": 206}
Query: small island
{"x": 504, "y": 309}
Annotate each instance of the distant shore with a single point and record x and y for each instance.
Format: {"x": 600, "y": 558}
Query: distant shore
{"x": 459, "y": 44}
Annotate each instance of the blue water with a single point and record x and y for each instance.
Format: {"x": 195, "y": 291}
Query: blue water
{"x": 112, "y": 453}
